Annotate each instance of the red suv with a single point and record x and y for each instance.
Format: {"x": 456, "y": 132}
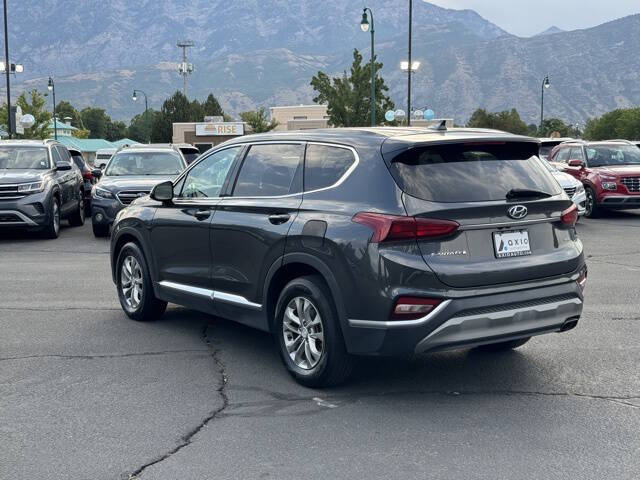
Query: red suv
{"x": 609, "y": 170}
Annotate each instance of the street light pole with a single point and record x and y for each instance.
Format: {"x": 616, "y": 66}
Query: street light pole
{"x": 409, "y": 69}
{"x": 52, "y": 88}
{"x": 146, "y": 108}
{"x": 7, "y": 68}
{"x": 364, "y": 25}
{"x": 545, "y": 84}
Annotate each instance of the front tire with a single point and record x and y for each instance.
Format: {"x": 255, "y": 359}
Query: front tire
{"x": 52, "y": 229}
{"x": 135, "y": 288}
{"x": 78, "y": 217}
{"x": 592, "y": 210}
{"x": 309, "y": 337}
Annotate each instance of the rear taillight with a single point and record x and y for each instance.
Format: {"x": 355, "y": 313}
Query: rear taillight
{"x": 570, "y": 216}
{"x": 393, "y": 227}
{"x": 411, "y": 308}
{"x": 582, "y": 279}
{"x": 87, "y": 175}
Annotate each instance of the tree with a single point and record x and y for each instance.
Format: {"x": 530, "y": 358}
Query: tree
{"x": 551, "y": 125}
{"x": 115, "y": 130}
{"x": 258, "y": 120}
{"x": 140, "y": 126}
{"x": 347, "y": 97}
{"x": 507, "y": 121}
{"x": 95, "y": 120}
{"x": 64, "y": 110}
{"x": 619, "y": 123}
{"x": 211, "y": 107}
{"x": 175, "y": 109}
{"x": 36, "y": 107}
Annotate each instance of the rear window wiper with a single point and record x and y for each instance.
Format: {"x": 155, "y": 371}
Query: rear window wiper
{"x": 526, "y": 193}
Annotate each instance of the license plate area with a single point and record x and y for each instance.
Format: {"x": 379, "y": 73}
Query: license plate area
{"x": 511, "y": 243}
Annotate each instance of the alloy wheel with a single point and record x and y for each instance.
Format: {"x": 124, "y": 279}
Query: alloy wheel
{"x": 303, "y": 333}
{"x": 131, "y": 282}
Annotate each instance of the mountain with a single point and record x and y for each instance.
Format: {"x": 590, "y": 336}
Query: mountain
{"x": 264, "y": 52}
{"x": 550, "y": 31}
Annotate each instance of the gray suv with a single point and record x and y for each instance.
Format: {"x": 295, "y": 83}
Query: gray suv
{"x": 39, "y": 185}
{"x": 346, "y": 242}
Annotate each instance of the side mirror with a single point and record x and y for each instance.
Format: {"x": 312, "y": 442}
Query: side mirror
{"x": 96, "y": 172}
{"x": 61, "y": 166}
{"x": 575, "y": 163}
{"x": 163, "y": 192}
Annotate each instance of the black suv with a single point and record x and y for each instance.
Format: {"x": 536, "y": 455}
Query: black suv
{"x": 39, "y": 185}
{"x": 131, "y": 173}
{"x": 360, "y": 242}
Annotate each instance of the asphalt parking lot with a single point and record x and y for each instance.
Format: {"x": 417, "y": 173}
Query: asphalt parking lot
{"x": 86, "y": 393}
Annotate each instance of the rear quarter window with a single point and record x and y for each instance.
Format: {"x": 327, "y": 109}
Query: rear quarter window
{"x": 325, "y": 165}
{"x": 471, "y": 172}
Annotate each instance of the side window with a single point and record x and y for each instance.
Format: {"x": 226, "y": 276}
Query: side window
{"x": 325, "y": 165}
{"x": 563, "y": 155}
{"x": 206, "y": 179}
{"x": 576, "y": 153}
{"x": 270, "y": 170}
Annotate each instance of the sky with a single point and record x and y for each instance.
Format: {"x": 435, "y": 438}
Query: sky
{"x": 528, "y": 17}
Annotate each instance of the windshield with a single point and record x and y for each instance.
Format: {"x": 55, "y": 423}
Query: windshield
{"x": 145, "y": 163}
{"x": 24, "y": 158}
{"x": 605, "y": 155}
{"x": 471, "y": 172}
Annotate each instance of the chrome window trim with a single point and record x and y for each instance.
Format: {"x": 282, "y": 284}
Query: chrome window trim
{"x": 482, "y": 226}
{"x": 212, "y": 294}
{"x": 18, "y": 214}
{"x": 400, "y": 323}
{"x": 280, "y": 142}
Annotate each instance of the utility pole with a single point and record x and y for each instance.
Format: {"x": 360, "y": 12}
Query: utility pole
{"x": 185, "y": 69}
{"x": 410, "y": 67}
{"x": 7, "y": 71}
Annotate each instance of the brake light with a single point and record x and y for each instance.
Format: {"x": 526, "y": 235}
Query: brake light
{"x": 570, "y": 216}
{"x": 411, "y": 308}
{"x": 394, "y": 227}
{"x": 87, "y": 175}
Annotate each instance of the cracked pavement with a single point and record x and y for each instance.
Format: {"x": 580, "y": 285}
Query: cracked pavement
{"x": 87, "y": 393}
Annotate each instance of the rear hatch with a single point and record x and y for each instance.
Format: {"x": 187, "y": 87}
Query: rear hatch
{"x": 507, "y": 204}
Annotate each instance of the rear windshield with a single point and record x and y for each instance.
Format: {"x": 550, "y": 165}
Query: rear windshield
{"x": 471, "y": 172}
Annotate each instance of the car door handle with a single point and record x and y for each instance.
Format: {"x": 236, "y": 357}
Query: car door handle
{"x": 279, "y": 218}
{"x": 202, "y": 214}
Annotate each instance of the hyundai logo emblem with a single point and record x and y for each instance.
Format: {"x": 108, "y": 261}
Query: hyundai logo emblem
{"x": 518, "y": 211}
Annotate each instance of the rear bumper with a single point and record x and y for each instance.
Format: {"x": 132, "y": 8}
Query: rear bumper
{"x": 464, "y": 322}
{"x": 619, "y": 202}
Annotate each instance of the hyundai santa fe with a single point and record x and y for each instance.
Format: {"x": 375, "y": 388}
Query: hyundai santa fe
{"x": 346, "y": 242}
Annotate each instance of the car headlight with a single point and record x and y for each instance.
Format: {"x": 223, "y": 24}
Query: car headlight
{"x": 609, "y": 186}
{"x": 31, "y": 187}
{"x": 102, "y": 193}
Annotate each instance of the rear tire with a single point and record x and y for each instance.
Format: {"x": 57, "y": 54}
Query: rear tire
{"x": 135, "y": 288}
{"x": 100, "y": 229}
{"x": 52, "y": 229}
{"x": 78, "y": 216}
{"x": 504, "y": 346}
{"x": 592, "y": 210}
{"x": 308, "y": 333}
